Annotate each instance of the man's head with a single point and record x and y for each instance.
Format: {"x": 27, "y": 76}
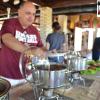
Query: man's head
{"x": 26, "y": 14}
{"x": 56, "y": 26}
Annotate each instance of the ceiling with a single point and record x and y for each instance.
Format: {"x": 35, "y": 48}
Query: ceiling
{"x": 52, "y": 3}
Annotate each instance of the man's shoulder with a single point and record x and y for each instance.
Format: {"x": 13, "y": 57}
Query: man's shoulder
{"x": 97, "y": 39}
{"x": 11, "y": 20}
{"x": 50, "y": 34}
{"x": 33, "y": 28}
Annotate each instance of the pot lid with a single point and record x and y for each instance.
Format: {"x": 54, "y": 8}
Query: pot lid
{"x": 4, "y": 86}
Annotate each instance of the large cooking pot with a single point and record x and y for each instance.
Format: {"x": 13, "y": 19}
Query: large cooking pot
{"x": 78, "y": 63}
{"x": 4, "y": 89}
{"x": 41, "y": 71}
{"x": 53, "y": 76}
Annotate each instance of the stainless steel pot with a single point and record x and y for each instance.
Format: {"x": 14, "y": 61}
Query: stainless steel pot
{"x": 41, "y": 71}
{"x": 78, "y": 63}
{"x": 52, "y": 76}
{"x": 4, "y": 89}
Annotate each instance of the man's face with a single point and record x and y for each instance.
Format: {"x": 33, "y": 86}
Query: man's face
{"x": 27, "y": 14}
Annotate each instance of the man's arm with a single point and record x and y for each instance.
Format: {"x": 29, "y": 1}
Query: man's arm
{"x": 47, "y": 45}
{"x": 10, "y": 41}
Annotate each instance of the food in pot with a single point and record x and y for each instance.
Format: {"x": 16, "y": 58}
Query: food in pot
{"x": 52, "y": 67}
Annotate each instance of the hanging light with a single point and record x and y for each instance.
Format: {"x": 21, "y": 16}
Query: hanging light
{"x": 16, "y": 2}
{"x": 5, "y": 0}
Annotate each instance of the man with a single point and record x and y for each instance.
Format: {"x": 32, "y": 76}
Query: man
{"x": 55, "y": 40}
{"x": 96, "y": 49}
{"x": 17, "y": 35}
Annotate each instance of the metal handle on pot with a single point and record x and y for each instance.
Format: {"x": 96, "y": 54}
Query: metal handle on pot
{"x": 21, "y": 62}
{"x": 23, "y": 69}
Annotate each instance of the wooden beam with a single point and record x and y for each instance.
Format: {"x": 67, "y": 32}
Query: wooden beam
{"x": 69, "y": 3}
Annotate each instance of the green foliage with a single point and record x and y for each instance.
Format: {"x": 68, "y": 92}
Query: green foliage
{"x": 88, "y": 72}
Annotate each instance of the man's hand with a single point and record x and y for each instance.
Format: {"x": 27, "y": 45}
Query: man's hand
{"x": 54, "y": 51}
{"x": 35, "y": 51}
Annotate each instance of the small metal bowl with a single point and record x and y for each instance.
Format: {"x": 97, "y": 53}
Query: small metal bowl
{"x": 4, "y": 89}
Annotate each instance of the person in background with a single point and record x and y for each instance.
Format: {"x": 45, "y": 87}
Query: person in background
{"x": 55, "y": 43}
{"x": 96, "y": 49}
{"x": 56, "y": 40}
{"x": 17, "y": 35}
